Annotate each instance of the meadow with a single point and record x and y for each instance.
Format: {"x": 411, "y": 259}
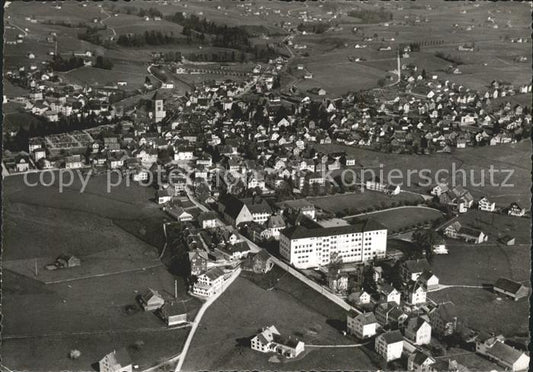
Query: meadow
{"x": 221, "y": 341}
{"x": 358, "y": 202}
{"x": 118, "y": 237}
{"x": 404, "y": 217}
{"x": 475, "y": 162}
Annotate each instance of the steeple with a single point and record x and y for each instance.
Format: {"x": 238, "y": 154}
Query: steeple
{"x": 399, "y": 67}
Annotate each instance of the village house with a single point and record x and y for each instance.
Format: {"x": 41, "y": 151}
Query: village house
{"x": 429, "y": 280}
{"x": 389, "y": 313}
{"x": 197, "y": 261}
{"x": 164, "y": 196}
{"x": 262, "y": 262}
{"x": 209, "y": 282}
{"x": 362, "y": 325}
{"x": 511, "y": 289}
{"x": 444, "y": 319}
{"x": 389, "y": 294}
{"x": 236, "y": 250}
{"x": 360, "y": 298}
{"x": 270, "y": 340}
{"x": 389, "y": 345}
{"x": 274, "y": 225}
{"x": 515, "y": 210}
{"x": 382, "y": 187}
{"x": 73, "y": 162}
{"x": 416, "y": 293}
{"x": 418, "y": 361}
{"x": 485, "y": 205}
{"x": 458, "y": 198}
{"x": 469, "y": 235}
{"x": 418, "y": 331}
{"x": 208, "y": 220}
{"x": 411, "y": 269}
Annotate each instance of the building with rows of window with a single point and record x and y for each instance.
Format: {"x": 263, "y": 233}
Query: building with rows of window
{"x": 311, "y": 245}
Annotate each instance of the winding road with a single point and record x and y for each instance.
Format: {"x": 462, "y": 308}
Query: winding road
{"x": 199, "y": 316}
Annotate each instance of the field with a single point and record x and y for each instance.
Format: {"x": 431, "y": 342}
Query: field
{"x": 118, "y": 237}
{"x": 475, "y": 162}
{"x": 133, "y": 74}
{"x": 354, "y": 203}
{"x": 296, "y": 310}
{"x": 396, "y": 219}
{"x": 483, "y": 264}
{"x": 326, "y": 55}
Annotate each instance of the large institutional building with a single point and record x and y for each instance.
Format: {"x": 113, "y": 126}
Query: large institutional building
{"x": 311, "y": 245}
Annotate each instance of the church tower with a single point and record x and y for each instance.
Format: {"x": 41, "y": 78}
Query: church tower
{"x": 399, "y": 66}
{"x": 159, "y": 109}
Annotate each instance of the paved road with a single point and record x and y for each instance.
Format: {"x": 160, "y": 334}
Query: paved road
{"x": 151, "y": 73}
{"x": 199, "y": 316}
{"x": 317, "y": 287}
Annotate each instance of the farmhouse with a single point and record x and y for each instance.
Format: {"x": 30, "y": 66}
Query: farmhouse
{"x": 116, "y": 361}
{"x": 469, "y": 235}
{"x": 67, "y": 261}
{"x": 508, "y": 240}
{"x": 270, "y": 340}
{"x": 172, "y": 313}
{"x": 494, "y": 348}
{"x": 511, "y": 289}
{"x": 151, "y": 300}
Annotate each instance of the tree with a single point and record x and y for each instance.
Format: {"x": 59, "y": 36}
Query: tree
{"x": 369, "y": 284}
{"x": 425, "y": 239}
{"x": 74, "y": 354}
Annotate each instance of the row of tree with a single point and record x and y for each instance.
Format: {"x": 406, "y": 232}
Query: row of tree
{"x": 152, "y": 37}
